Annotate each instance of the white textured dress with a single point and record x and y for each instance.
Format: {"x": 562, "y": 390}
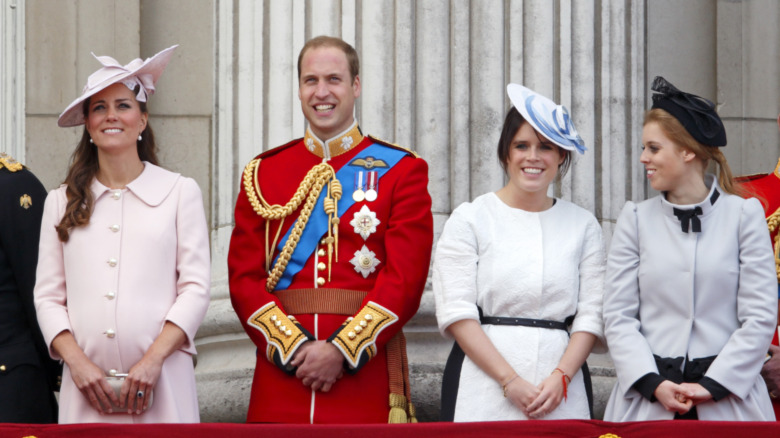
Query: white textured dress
{"x": 513, "y": 263}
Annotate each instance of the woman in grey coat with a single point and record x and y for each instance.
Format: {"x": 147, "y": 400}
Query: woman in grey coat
{"x": 690, "y": 300}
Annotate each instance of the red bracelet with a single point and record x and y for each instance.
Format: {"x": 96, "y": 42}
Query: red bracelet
{"x": 564, "y": 379}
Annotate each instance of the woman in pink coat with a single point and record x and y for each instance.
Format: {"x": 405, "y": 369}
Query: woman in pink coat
{"x": 123, "y": 271}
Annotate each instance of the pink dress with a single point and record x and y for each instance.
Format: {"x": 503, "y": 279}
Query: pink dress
{"x": 142, "y": 260}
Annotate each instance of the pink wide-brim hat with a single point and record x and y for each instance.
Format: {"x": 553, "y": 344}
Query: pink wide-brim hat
{"x": 143, "y": 74}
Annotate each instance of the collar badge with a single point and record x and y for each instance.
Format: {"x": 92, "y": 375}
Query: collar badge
{"x": 25, "y": 201}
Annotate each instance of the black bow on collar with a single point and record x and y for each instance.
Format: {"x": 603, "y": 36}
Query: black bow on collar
{"x": 689, "y": 216}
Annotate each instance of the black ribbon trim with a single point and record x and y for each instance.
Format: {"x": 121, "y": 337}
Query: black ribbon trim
{"x": 687, "y": 217}
{"x": 694, "y": 370}
{"x": 691, "y": 215}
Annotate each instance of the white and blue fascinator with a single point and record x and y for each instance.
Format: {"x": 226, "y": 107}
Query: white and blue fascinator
{"x": 546, "y": 117}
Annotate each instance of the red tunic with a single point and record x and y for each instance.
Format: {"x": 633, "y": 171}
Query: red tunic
{"x": 401, "y": 244}
{"x": 767, "y": 188}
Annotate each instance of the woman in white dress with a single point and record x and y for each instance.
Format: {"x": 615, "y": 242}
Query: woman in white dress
{"x": 513, "y": 270}
{"x": 690, "y": 300}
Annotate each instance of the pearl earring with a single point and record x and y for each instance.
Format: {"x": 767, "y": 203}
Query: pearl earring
{"x": 139, "y": 137}
{"x": 90, "y": 140}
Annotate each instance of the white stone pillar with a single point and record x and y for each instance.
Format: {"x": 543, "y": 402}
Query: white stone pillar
{"x": 12, "y": 62}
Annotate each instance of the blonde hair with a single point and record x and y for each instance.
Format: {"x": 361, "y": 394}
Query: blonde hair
{"x": 682, "y": 138}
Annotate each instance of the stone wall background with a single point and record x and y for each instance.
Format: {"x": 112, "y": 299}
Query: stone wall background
{"x": 433, "y": 73}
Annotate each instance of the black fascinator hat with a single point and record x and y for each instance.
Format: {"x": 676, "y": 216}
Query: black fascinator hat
{"x": 695, "y": 113}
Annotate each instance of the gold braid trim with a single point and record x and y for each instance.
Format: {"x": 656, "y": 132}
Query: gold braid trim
{"x": 773, "y": 221}
{"x": 309, "y": 189}
{"x": 9, "y": 163}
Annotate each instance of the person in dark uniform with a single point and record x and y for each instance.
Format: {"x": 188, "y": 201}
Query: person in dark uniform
{"x": 28, "y": 378}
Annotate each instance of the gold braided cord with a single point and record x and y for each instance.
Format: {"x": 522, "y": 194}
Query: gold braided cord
{"x": 309, "y": 189}
{"x": 773, "y": 221}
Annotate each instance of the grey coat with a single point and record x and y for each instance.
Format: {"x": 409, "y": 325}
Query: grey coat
{"x": 693, "y": 295}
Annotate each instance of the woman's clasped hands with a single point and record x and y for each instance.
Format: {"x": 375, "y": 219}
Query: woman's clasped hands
{"x": 535, "y": 401}
{"x": 680, "y": 398}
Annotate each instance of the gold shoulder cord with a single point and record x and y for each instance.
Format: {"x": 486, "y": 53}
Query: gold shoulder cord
{"x": 773, "y": 221}
{"x": 9, "y": 163}
{"x": 309, "y": 189}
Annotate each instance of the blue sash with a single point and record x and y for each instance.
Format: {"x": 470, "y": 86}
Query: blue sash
{"x": 318, "y": 221}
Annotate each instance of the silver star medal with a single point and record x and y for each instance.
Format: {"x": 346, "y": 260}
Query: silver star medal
{"x": 365, "y": 261}
{"x": 365, "y": 222}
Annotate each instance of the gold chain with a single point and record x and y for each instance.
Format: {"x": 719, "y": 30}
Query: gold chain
{"x": 309, "y": 189}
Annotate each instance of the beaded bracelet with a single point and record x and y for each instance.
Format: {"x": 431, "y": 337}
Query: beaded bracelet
{"x": 508, "y": 382}
{"x": 565, "y": 380}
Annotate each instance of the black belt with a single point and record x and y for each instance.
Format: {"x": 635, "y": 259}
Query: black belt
{"x": 526, "y": 322}
{"x": 541, "y": 323}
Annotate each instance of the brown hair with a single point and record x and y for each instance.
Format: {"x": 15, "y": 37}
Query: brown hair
{"x": 512, "y": 124}
{"x": 327, "y": 41}
{"x": 84, "y": 167}
{"x": 682, "y": 138}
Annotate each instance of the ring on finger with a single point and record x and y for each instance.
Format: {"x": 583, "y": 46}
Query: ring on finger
{"x": 139, "y": 394}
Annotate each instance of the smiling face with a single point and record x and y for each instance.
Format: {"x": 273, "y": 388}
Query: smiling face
{"x": 327, "y": 91}
{"x": 532, "y": 163}
{"x": 664, "y": 161}
{"x": 115, "y": 119}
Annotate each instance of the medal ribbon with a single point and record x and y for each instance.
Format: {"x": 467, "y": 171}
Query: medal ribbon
{"x": 318, "y": 221}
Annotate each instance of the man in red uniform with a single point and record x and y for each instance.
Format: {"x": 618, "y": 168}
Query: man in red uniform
{"x": 767, "y": 188}
{"x": 329, "y": 257}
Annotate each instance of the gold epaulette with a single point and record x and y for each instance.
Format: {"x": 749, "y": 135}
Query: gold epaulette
{"x": 280, "y": 331}
{"x": 394, "y": 146}
{"x": 773, "y": 222}
{"x": 8, "y": 162}
{"x": 359, "y": 334}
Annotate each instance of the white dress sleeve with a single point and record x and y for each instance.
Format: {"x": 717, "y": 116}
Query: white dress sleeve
{"x": 590, "y": 299}
{"x": 455, "y": 271}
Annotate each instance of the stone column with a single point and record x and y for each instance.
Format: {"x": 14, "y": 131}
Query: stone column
{"x": 12, "y": 82}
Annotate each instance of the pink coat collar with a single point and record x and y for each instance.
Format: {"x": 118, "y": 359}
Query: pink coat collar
{"x": 152, "y": 186}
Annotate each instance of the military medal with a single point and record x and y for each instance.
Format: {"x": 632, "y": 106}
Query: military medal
{"x": 358, "y": 195}
{"x": 364, "y": 261}
{"x": 364, "y": 222}
{"x": 372, "y": 186}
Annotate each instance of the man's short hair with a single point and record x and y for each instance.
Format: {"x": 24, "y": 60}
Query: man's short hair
{"x": 328, "y": 41}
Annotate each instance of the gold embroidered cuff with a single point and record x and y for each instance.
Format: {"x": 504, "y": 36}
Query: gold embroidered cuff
{"x": 360, "y": 334}
{"x": 279, "y": 331}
